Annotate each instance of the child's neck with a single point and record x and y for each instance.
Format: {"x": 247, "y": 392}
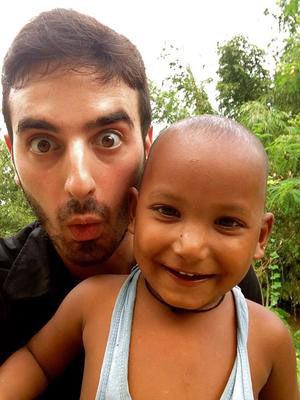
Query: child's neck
{"x": 183, "y": 310}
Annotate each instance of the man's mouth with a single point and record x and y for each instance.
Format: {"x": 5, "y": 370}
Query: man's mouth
{"x": 188, "y": 276}
{"x": 84, "y": 228}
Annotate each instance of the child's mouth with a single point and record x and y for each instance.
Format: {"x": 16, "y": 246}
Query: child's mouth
{"x": 189, "y": 276}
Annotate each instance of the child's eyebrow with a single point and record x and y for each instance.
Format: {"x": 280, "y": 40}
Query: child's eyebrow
{"x": 233, "y": 207}
{"x": 161, "y": 194}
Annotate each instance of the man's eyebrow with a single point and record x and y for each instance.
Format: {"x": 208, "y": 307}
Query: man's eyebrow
{"x": 40, "y": 124}
{"x": 119, "y": 116}
{"x": 31, "y": 123}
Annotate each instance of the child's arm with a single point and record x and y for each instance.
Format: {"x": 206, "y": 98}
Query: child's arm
{"x": 21, "y": 377}
{"x": 282, "y": 381}
{"x": 26, "y": 373}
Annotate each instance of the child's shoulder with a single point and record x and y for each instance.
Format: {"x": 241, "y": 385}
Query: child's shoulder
{"x": 267, "y": 327}
{"x": 97, "y": 291}
{"x": 100, "y": 285}
{"x": 271, "y": 354}
{"x": 261, "y": 315}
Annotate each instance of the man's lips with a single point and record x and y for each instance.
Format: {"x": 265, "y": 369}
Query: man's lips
{"x": 188, "y": 276}
{"x": 84, "y": 228}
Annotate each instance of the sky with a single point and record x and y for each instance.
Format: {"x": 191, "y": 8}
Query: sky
{"x": 194, "y": 26}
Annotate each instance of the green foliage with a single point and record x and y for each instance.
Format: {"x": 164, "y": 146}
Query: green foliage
{"x": 279, "y": 131}
{"x": 284, "y": 197}
{"x": 269, "y": 272}
{"x": 14, "y": 211}
{"x": 287, "y": 77}
{"x": 284, "y": 158}
{"x": 289, "y": 18}
{"x": 275, "y": 280}
{"x": 243, "y": 76}
{"x": 266, "y": 122}
{"x": 179, "y": 96}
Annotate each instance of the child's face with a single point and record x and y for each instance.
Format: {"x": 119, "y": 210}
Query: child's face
{"x": 199, "y": 219}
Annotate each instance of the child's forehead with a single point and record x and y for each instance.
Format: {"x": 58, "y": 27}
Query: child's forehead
{"x": 201, "y": 167}
{"x": 193, "y": 151}
{"x": 196, "y": 144}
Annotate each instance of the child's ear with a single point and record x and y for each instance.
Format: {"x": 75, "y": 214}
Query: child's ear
{"x": 265, "y": 231}
{"x": 132, "y": 200}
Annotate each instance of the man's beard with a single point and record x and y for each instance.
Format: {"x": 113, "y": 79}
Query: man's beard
{"x": 86, "y": 253}
{"x": 93, "y": 252}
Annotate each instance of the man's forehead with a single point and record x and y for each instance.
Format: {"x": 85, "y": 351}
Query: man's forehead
{"x": 81, "y": 76}
{"x": 55, "y": 95}
{"x": 60, "y": 69}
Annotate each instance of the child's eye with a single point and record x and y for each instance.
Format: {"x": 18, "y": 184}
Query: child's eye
{"x": 229, "y": 223}
{"x": 166, "y": 211}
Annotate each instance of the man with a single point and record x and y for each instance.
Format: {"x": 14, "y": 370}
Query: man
{"x": 77, "y": 110}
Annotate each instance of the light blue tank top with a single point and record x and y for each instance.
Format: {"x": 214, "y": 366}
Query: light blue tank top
{"x": 113, "y": 383}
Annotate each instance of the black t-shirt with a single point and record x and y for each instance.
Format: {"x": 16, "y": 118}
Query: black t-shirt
{"x": 33, "y": 284}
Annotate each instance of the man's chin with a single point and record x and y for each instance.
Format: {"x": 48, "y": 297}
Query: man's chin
{"x": 90, "y": 253}
{"x": 84, "y": 254}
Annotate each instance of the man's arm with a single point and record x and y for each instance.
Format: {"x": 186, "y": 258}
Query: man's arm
{"x": 26, "y": 373}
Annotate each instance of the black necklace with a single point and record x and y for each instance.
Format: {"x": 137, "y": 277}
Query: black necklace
{"x": 179, "y": 309}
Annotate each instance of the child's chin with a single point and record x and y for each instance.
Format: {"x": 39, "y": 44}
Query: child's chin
{"x": 183, "y": 306}
{"x": 195, "y": 307}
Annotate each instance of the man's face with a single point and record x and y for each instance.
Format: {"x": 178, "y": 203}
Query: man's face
{"x": 77, "y": 148}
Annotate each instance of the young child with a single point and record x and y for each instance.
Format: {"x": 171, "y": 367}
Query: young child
{"x": 179, "y": 328}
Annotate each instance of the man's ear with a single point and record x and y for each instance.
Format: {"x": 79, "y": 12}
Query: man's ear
{"x": 265, "y": 231}
{"x": 148, "y": 141}
{"x": 132, "y": 200}
{"x": 8, "y": 143}
{"x": 10, "y": 149}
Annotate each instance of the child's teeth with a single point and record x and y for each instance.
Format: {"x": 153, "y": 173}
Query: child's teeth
{"x": 186, "y": 273}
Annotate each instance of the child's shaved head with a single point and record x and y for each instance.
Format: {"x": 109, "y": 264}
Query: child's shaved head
{"x": 223, "y": 135}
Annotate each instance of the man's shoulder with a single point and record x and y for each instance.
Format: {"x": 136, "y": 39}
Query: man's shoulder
{"x": 11, "y": 246}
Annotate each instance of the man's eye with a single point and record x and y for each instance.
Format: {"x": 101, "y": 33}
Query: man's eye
{"x": 229, "y": 222}
{"x": 108, "y": 140}
{"x": 167, "y": 211}
{"x": 42, "y": 145}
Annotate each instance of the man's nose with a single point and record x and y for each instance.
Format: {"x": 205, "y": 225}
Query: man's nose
{"x": 79, "y": 181}
{"x": 192, "y": 243}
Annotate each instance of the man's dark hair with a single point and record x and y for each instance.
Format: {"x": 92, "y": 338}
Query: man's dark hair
{"x": 67, "y": 39}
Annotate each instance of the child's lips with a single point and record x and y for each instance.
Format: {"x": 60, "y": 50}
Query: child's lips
{"x": 189, "y": 276}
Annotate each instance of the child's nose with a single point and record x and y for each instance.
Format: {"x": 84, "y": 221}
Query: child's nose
{"x": 192, "y": 244}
